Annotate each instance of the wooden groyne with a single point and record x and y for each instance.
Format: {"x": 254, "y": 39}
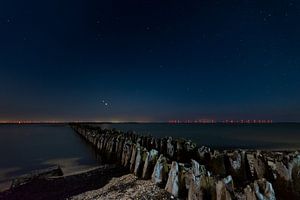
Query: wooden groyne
{"x": 191, "y": 172}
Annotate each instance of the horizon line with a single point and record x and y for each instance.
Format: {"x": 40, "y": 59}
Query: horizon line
{"x": 103, "y": 122}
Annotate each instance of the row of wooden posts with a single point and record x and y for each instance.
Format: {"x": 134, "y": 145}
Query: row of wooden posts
{"x": 174, "y": 165}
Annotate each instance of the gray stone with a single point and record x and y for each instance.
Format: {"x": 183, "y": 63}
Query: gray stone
{"x": 170, "y": 148}
{"x": 264, "y": 190}
{"x": 202, "y": 151}
{"x": 235, "y": 161}
{"x": 128, "y": 154}
{"x": 151, "y": 158}
{"x": 172, "y": 185}
{"x": 160, "y": 170}
{"x": 133, "y": 156}
{"x": 137, "y": 160}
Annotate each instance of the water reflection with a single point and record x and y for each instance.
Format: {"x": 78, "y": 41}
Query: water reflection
{"x": 24, "y": 148}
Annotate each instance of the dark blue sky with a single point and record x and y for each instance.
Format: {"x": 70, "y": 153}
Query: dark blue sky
{"x": 149, "y": 60}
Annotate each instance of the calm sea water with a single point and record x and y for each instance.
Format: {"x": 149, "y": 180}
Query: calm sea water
{"x": 263, "y": 136}
{"x": 28, "y": 147}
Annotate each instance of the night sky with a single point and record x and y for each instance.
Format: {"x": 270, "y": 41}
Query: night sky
{"x": 149, "y": 60}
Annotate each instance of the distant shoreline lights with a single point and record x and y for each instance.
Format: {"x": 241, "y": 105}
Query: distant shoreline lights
{"x": 227, "y": 121}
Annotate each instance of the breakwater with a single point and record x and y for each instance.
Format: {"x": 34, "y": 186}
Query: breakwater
{"x": 188, "y": 171}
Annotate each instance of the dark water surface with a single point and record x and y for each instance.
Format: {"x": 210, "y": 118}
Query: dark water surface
{"x": 263, "y": 136}
{"x": 28, "y": 147}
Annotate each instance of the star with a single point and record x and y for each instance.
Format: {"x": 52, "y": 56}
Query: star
{"x": 105, "y": 103}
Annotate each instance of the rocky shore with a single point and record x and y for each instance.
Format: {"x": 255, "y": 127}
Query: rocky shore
{"x": 124, "y": 188}
{"x": 187, "y": 171}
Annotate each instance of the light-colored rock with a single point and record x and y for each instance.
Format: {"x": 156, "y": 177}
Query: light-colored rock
{"x": 264, "y": 190}
{"x": 137, "y": 160}
{"x": 172, "y": 185}
{"x": 235, "y": 160}
{"x": 151, "y": 158}
{"x": 195, "y": 168}
{"x": 202, "y": 151}
{"x": 160, "y": 170}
